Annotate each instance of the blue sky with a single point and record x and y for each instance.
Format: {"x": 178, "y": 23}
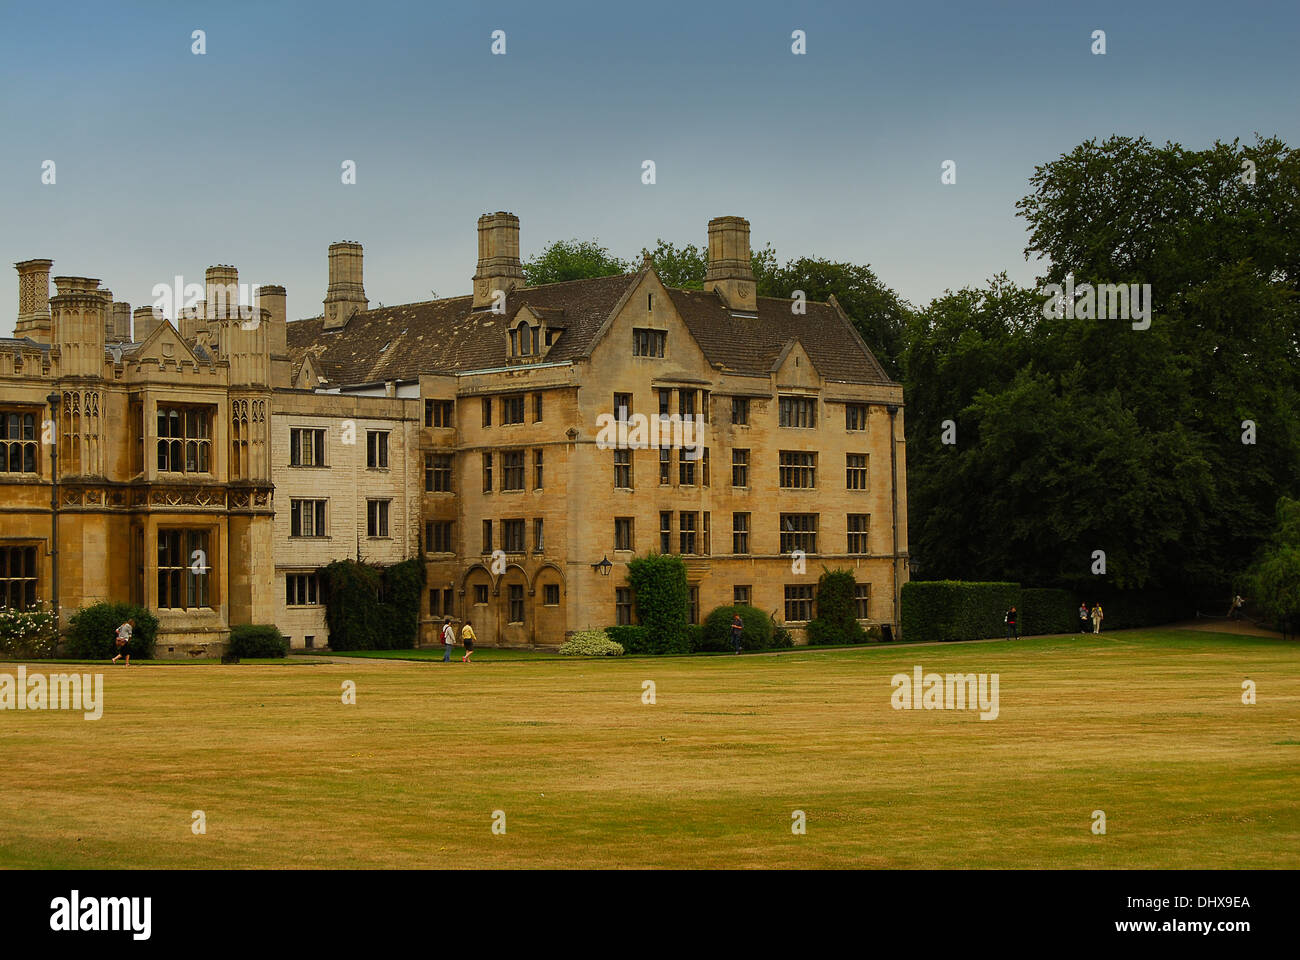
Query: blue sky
{"x": 168, "y": 162}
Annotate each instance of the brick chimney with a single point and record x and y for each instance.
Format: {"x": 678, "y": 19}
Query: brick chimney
{"x": 120, "y": 328}
{"x": 34, "y": 299}
{"x": 730, "y": 271}
{"x": 499, "y": 267}
{"x": 347, "y": 293}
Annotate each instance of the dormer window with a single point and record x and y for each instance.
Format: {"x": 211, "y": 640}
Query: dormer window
{"x": 526, "y": 339}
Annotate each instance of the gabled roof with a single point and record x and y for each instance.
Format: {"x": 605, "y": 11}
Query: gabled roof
{"x": 448, "y": 336}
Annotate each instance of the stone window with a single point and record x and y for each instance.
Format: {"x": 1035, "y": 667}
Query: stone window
{"x": 516, "y": 603}
{"x": 306, "y": 518}
{"x": 855, "y": 477}
{"x": 512, "y": 409}
{"x": 439, "y": 413}
{"x": 480, "y": 594}
{"x": 855, "y": 416}
{"x": 377, "y": 518}
{"x": 798, "y": 411}
{"x": 859, "y": 527}
{"x": 306, "y": 447}
{"x": 623, "y": 606}
{"x": 184, "y": 440}
{"x": 740, "y": 411}
{"x": 551, "y": 595}
{"x": 512, "y": 536}
{"x": 742, "y": 593}
{"x": 437, "y": 472}
{"x": 648, "y": 343}
{"x": 19, "y": 576}
{"x": 665, "y": 531}
{"x": 624, "y": 538}
{"x": 798, "y": 469}
{"x": 799, "y": 532}
{"x": 687, "y": 522}
{"x": 183, "y": 568}
{"x": 740, "y": 533}
{"x": 18, "y": 442}
{"x": 623, "y": 469}
{"x": 862, "y": 600}
{"x": 377, "y": 449}
{"x": 301, "y": 590}
{"x": 437, "y": 536}
{"x": 539, "y": 535}
{"x": 740, "y": 468}
{"x": 798, "y": 602}
{"x": 512, "y": 470}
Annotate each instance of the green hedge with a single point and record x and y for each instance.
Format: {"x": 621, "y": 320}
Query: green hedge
{"x": 92, "y": 629}
{"x": 254, "y": 640}
{"x": 955, "y": 609}
{"x": 1048, "y": 610}
{"x": 633, "y": 638}
{"x": 837, "y": 615}
{"x": 358, "y": 619}
{"x": 659, "y": 581}
{"x": 757, "y": 629}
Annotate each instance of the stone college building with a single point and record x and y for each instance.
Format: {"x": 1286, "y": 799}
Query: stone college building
{"x": 526, "y": 441}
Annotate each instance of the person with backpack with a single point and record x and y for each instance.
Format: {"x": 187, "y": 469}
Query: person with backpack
{"x": 1010, "y": 621}
{"x": 448, "y": 640}
{"x": 1083, "y": 617}
{"x": 123, "y": 641}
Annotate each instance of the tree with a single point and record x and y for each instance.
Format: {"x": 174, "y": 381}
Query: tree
{"x": 1274, "y": 580}
{"x": 572, "y": 260}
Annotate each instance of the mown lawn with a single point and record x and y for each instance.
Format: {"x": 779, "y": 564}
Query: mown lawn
{"x": 1147, "y": 726}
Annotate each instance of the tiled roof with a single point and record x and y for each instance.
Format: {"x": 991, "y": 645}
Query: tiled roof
{"x": 447, "y": 336}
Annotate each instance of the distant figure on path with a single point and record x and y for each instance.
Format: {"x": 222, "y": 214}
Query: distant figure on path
{"x": 1083, "y": 617}
{"x": 1234, "y": 612}
{"x": 1097, "y": 617}
{"x": 737, "y": 629}
{"x": 467, "y": 638}
{"x": 123, "y": 641}
{"x": 1010, "y": 621}
{"x": 448, "y": 640}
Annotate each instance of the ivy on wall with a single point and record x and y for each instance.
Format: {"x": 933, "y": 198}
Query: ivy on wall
{"x": 369, "y": 607}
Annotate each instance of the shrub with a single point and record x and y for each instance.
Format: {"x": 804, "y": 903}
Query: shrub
{"x": 756, "y": 633}
{"x": 837, "y": 615}
{"x": 358, "y": 619}
{"x": 28, "y": 634}
{"x": 92, "y": 629}
{"x": 257, "y": 640}
{"x": 781, "y": 636}
{"x": 661, "y": 598}
{"x": 955, "y": 609}
{"x": 1047, "y": 610}
{"x": 633, "y": 638}
{"x": 590, "y": 643}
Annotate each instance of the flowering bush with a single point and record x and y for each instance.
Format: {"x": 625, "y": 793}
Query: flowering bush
{"x": 27, "y": 633}
{"x": 591, "y": 643}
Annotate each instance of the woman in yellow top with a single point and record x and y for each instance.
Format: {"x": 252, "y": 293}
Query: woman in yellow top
{"x": 467, "y": 638}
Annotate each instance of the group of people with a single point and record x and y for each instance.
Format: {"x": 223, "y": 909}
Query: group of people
{"x": 467, "y": 639}
{"x": 1094, "y": 615}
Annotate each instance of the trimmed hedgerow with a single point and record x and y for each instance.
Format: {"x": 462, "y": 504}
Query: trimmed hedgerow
{"x": 92, "y": 629}
{"x": 633, "y": 638}
{"x": 955, "y": 609}
{"x": 253, "y": 640}
{"x": 358, "y": 619}
{"x": 1047, "y": 610}
{"x": 590, "y": 643}
{"x": 756, "y": 629}
{"x": 659, "y": 581}
{"x": 837, "y": 616}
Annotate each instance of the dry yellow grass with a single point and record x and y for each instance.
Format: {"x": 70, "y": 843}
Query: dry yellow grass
{"x": 1146, "y": 725}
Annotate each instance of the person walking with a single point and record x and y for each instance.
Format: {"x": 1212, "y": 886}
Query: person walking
{"x": 1012, "y": 626}
{"x": 1234, "y": 612}
{"x": 123, "y": 641}
{"x": 1083, "y": 617}
{"x": 737, "y": 630}
{"x": 1097, "y": 617}
{"x": 467, "y": 639}
{"x": 448, "y": 640}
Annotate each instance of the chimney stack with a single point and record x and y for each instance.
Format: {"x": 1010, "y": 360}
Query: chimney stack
{"x": 346, "y": 294}
{"x": 145, "y": 322}
{"x": 120, "y": 327}
{"x": 499, "y": 267}
{"x": 34, "y": 299}
{"x": 78, "y": 330}
{"x": 730, "y": 270}
{"x": 221, "y": 284}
